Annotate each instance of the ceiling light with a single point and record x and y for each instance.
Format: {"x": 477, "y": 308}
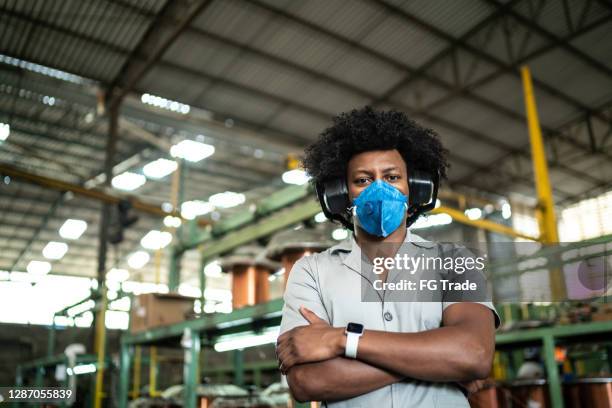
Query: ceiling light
{"x": 295, "y": 176}
{"x": 242, "y": 341}
{"x": 159, "y": 168}
{"x": 5, "y": 131}
{"x": 121, "y": 304}
{"x": 432, "y": 221}
{"x": 138, "y": 259}
{"x": 227, "y": 199}
{"x": 156, "y": 239}
{"x": 189, "y": 290}
{"x": 192, "y": 209}
{"x": 128, "y": 181}
{"x": 473, "y": 213}
{"x": 192, "y": 151}
{"x": 213, "y": 269}
{"x": 164, "y": 103}
{"x": 41, "y": 69}
{"x": 55, "y": 250}
{"x": 506, "y": 211}
{"x": 172, "y": 222}
{"x": 112, "y": 285}
{"x": 81, "y": 369}
{"x": 339, "y": 234}
{"x": 39, "y": 267}
{"x": 117, "y": 275}
{"x": 81, "y": 308}
{"x": 73, "y": 229}
{"x": 320, "y": 217}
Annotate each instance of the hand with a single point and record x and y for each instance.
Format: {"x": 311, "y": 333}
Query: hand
{"x": 307, "y": 344}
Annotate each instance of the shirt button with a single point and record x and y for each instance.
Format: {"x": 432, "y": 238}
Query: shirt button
{"x": 388, "y": 316}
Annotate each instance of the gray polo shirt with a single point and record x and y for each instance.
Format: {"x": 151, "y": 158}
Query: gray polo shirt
{"x": 330, "y": 284}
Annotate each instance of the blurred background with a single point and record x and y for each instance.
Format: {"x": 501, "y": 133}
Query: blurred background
{"x": 152, "y": 203}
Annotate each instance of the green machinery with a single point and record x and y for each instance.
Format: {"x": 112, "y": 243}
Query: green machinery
{"x": 282, "y": 210}
{"x": 268, "y": 315}
{"x": 39, "y": 367}
{"x": 550, "y": 337}
{"x": 279, "y": 210}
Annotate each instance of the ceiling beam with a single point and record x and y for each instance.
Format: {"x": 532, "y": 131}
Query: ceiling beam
{"x": 155, "y": 43}
{"x": 497, "y": 162}
{"x": 430, "y": 117}
{"x": 98, "y": 195}
{"x": 425, "y": 112}
{"x": 288, "y": 138}
{"x": 556, "y": 40}
{"x": 479, "y": 53}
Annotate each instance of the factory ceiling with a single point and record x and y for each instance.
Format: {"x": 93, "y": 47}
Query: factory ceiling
{"x": 259, "y": 79}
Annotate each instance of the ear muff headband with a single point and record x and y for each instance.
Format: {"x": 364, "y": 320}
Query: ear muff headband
{"x": 422, "y": 195}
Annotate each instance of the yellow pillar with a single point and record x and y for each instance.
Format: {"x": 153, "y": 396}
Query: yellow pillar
{"x": 545, "y": 210}
{"x": 136, "y": 372}
{"x": 153, "y": 372}
{"x": 100, "y": 345}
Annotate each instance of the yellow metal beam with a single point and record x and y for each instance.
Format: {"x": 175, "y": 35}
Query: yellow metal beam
{"x": 94, "y": 194}
{"x": 487, "y": 225}
{"x": 136, "y": 372}
{"x": 545, "y": 209}
{"x": 153, "y": 372}
{"x": 100, "y": 344}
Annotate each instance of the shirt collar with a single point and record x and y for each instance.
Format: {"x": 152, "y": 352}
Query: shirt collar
{"x": 353, "y": 259}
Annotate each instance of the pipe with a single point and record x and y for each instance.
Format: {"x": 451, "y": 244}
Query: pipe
{"x": 136, "y": 372}
{"x": 100, "y": 350}
{"x": 94, "y": 194}
{"x": 545, "y": 210}
{"x": 459, "y": 216}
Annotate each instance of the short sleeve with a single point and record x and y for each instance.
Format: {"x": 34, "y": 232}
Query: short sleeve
{"x": 302, "y": 290}
{"x": 488, "y": 305}
{"x": 468, "y": 275}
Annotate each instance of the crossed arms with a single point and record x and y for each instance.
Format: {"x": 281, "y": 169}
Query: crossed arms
{"x": 459, "y": 351}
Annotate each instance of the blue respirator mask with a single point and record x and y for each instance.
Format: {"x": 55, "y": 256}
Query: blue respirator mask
{"x": 380, "y": 208}
{"x": 334, "y": 198}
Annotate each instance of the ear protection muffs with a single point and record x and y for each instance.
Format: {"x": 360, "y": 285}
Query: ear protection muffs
{"x": 422, "y": 195}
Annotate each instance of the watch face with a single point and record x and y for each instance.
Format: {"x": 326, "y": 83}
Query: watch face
{"x": 354, "y": 328}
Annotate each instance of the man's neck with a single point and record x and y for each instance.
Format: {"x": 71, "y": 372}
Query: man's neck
{"x": 374, "y": 246}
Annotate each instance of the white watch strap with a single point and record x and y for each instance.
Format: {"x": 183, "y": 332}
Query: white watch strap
{"x": 352, "y": 340}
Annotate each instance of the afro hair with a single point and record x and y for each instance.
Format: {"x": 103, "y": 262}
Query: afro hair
{"x": 366, "y": 129}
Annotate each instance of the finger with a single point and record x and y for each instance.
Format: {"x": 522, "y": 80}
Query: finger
{"x": 280, "y": 352}
{"x": 310, "y": 315}
{"x": 283, "y": 366}
{"x": 288, "y": 363}
{"x": 282, "y": 357}
{"x": 282, "y": 337}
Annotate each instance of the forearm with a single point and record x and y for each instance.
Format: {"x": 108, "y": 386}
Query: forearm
{"x": 444, "y": 354}
{"x": 328, "y": 380}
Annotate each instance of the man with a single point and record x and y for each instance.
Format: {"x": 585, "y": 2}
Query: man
{"x": 337, "y": 347}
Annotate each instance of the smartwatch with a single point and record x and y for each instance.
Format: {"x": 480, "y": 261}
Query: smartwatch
{"x": 353, "y": 332}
